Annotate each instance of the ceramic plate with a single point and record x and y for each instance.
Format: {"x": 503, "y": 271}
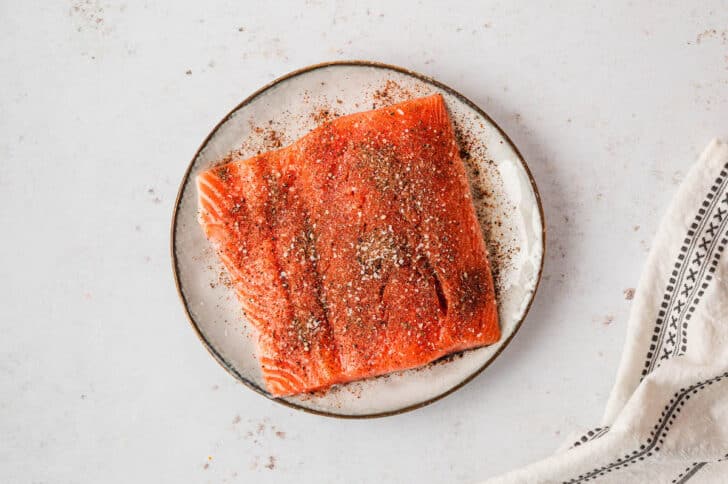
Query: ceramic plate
{"x": 506, "y": 199}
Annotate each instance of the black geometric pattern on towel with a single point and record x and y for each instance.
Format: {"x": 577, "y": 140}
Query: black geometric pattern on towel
{"x": 657, "y": 434}
{"x": 592, "y": 434}
{"x": 692, "y": 273}
{"x": 691, "y": 470}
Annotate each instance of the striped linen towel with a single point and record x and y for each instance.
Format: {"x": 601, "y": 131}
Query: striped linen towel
{"x": 666, "y": 420}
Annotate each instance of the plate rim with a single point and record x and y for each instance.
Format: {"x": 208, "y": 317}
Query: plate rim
{"x": 185, "y": 179}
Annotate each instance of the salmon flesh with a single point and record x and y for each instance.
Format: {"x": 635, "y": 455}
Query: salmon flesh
{"x": 356, "y": 250}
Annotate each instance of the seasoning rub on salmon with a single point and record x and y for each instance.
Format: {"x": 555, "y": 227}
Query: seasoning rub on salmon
{"x": 356, "y": 250}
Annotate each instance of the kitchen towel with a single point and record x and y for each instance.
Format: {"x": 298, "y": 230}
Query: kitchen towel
{"x": 666, "y": 420}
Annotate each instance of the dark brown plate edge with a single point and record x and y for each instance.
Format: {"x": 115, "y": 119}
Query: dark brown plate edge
{"x": 290, "y": 75}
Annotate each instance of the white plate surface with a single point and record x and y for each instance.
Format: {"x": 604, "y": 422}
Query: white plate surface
{"x": 504, "y": 192}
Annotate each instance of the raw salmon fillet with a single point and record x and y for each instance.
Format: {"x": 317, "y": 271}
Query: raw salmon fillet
{"x": 356, "y": 250}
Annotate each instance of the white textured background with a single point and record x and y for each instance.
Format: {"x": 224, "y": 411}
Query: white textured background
{"x": 102, "y": 105}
